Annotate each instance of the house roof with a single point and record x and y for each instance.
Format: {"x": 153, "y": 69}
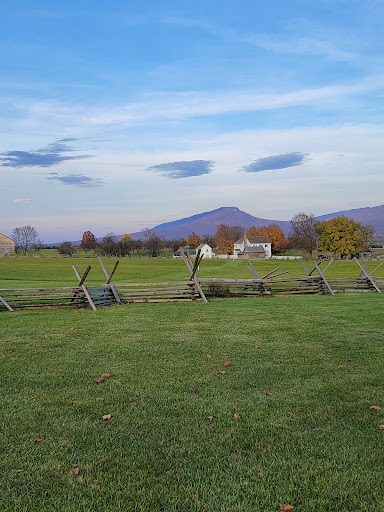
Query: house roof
{"x": 255, "y": 248}
{"x": 254, "y": 240}
{"x": 258, "y": 240}
{"x": 202, "y": 245}
{"x": 7, "y": 237}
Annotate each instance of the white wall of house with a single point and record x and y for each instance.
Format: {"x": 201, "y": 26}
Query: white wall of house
{"x": 239, "y": 247}
{"x": 266, "y": 246}
{"x": 206, "y": 251}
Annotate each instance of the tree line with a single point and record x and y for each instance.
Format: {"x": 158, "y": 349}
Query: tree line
{"x": 340, "y": 235}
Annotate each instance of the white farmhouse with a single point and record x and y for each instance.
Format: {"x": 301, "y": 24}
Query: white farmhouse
{"x": 253, "y": 247}
{"x": 206, "y": 251}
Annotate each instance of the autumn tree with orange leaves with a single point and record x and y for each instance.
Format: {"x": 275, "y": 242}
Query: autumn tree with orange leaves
{"x": 225, "y": 237}
{"x": 276, "y": 236}
{"x": 88, "y": 241}
{"x": 194, "y": 239}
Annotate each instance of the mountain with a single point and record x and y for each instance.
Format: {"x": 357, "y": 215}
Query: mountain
{"x": 373, "y": 217}
{"x": 206, "y": 223}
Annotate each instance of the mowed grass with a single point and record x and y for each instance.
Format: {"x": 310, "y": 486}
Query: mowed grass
{"x": 47, "y": 272}
{"x": 314, "y": 444}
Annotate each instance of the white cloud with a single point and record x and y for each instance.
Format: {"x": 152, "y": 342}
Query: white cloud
{"x": 22, "y": 200}
{"x": 176, "y": 106}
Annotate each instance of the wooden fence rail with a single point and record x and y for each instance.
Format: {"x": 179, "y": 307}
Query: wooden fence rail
{"x": 179, "y": 291}
{"x": 191, "y": 289}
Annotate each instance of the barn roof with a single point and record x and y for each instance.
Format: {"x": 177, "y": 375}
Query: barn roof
{"x": 7, "y": 237}
{"x": 256, "y": 248}
{"x": 258, "y": 240}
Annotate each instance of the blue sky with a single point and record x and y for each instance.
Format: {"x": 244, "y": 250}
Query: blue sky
{"x": 120, "y": 116}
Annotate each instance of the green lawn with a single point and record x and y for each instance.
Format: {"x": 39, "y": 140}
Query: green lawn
{"x": 314, "y": 444}
{"x": 45, "y": 272}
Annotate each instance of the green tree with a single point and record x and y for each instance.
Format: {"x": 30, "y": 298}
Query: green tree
{"x": 66, "y": 248}
{"x": 109, "y": 246}
{"x": 343, "y": 236}
{"x": 126, "y": 244}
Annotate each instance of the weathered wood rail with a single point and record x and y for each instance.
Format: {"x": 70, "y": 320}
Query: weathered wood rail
{"x": 191, "y": 289}
{"x": 261, "y": 287}
{"x": 178, "y": 291}
{"x": 68, "y": 296}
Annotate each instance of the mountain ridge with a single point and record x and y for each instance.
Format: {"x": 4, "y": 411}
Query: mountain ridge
{"x": 206, "y": 223}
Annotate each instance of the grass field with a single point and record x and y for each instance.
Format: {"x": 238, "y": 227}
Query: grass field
{"x": 31, "y": 272}
{"x": 172, "y": 442}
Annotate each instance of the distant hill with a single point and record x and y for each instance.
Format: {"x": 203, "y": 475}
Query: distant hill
{"x": 373, "y": 217}
{"x": 206, "y": 223}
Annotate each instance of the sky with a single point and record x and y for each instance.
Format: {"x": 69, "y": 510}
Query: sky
{"x": 116, "y": 116}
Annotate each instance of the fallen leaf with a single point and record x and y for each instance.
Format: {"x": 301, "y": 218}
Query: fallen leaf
{"x": 72, "y": 328}
{"x": 236, "y": 416}
{"x": 340, "y": 366}
{"x": 193, "y": 390}
{"x": 381, "y": 427}
{"x": 106, "y": 417}
{"x": 209, "y": 357}
{"x": 75, "y": 311}
{"x": 98, "y": 380}
{"x": 375, "y": 408}
{"x": 99, "y": 399}
{"x": 210, "y": 418}
{"x": 227, "y": 363}
{"x": 106, "y": 375}
{"x": 285, "y": 507}
{"x": 19, "y": 470}
{"x": 222, "y": 372}
{"x": 37, "y": 440}
{"x": 268, "y": 393}
{"x": 76, "y": 469}
{"x": 256, "y": 346}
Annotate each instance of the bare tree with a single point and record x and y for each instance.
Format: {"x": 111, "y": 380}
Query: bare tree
{"x": 24, "y": 237}
{"x": 304, "y": 234}
{"x": 153, "y": 242}
{"x": 38, "y": 245}
{"x": 109, "y": 246}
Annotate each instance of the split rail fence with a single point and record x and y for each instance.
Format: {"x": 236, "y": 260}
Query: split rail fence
{"x": 191, "y": 289}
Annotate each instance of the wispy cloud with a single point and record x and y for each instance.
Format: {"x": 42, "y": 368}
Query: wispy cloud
{"x": 47, "y": 156}
{"x": 76, "y": 180}
{"x": 302, "y": 46}
{"x": 187, "y": 169}
{"x": 274, "y": 162}
{"x": 22, "y": 200}
{"x": 171, "y": 106}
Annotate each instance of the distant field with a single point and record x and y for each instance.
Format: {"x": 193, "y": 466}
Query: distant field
{"x": 172, "y": 442}
{"x": 33, "y": 272}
